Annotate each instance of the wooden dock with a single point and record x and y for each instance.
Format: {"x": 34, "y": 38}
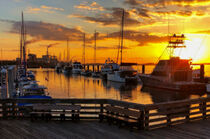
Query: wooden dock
{"x": 178, "y": 119}
{"x": 20, "y": 129}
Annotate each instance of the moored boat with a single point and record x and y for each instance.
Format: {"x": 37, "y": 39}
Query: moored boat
{"x": 174, "y": 73}
{"x": 108, "y": 67}
{"x": 76, "y": 68}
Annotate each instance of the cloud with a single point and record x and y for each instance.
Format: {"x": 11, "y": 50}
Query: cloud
{"x": 43, "y": 8}
{"x": 46, "y": 31}
{"x": 203, "y": 32}
{"x": 142, "y": 38}
{"x": 90, "y": 6}
{"x": 113, "y": 18}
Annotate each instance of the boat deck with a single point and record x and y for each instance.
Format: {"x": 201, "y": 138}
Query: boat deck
{"x": 93, "y": 129}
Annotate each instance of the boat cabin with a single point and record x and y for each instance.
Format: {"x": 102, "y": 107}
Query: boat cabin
{"x": 175, "y": 69}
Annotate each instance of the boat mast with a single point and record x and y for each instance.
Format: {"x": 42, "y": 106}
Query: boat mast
{"x": 84, "y": 49}
{"x": 122, "y": 35}
{"x": 67, "y": 57}
{"x": 95, "y": 37}
{"x": 23, "y": 45}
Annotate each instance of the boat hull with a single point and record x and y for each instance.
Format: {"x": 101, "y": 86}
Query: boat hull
{"x": 175, "y": 86}
{"x": 116, "y": 78}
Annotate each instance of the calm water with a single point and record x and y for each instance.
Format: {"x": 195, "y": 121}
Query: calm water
{"x": 76, "y": 86}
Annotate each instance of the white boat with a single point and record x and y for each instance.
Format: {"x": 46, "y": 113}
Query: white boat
{"x": 126, "y": 74}
{"x": 109, "y": 67}
{"x": 59, "y": 68}
{"x": 67, "y": 69}
{"x": 33, "y": 89}
{"x": 76, "y": 68}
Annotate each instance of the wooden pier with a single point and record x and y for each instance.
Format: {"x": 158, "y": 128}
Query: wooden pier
{"x": 177, "y": 119}
{"x": 153, "y": 116}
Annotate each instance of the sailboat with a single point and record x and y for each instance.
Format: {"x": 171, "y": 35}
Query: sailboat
{"x": 95, "y": 74}
{"x": 125, "y": 74}
{"x": 174, "y": 73}
{"x": 68, "y": 67}
{"x": 85, "y": 72}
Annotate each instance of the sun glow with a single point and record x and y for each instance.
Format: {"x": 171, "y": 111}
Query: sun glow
{"x": 195, "y": 47}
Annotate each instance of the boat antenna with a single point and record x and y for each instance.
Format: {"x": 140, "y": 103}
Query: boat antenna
{"x": 122, "y": 31}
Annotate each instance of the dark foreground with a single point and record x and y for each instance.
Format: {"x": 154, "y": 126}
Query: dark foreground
{"x": 94, "y": 130}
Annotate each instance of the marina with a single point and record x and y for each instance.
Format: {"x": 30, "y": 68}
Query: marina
{"x": 96, "y": 69}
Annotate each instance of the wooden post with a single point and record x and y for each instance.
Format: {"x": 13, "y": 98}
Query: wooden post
{"x": 97, "y": 68}
{"x": 204, "y": 110}
{"x": 4, "y": 110}
{"x": 146, "y": 121}
{"x": 93, "y": 68}
{"x": 141, "y": 120}
{"x": 188, "y": 114}
{"x": 143, "y": 69}
{"x": 102, "y": 108}
{"x": 168, "y": 119}
{"x": 88, "y": 67}
{"x": 202, "y": 73}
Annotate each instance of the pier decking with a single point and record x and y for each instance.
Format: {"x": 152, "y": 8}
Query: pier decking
{"x": 177, "y": 119}
{"x": 95, "y": 130}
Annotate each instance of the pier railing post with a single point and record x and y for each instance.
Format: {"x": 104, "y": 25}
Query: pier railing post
{"x": 141, "y": 120}
{"x": 188, "y": 114}
{"x": 143, "y": 69}
{"x": 146, "y": 119}
{"x": 204, "y": 110}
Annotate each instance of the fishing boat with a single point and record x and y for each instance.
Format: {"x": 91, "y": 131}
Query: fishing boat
{"x": 76, "y": 68}
{"x": 108, "y": 67}
{"x": 173, "y": 73}
{"x": 126, "y": 73}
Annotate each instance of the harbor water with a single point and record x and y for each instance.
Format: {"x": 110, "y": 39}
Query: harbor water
{"x": 76, "y": 86}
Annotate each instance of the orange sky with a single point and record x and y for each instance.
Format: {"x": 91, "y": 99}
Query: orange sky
{"x": 147, "y": 25}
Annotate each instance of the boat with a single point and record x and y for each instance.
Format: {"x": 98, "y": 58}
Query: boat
{"x": 173, "y": 73}
{"x": 76, "y": 68}
{"x": 33, "y": 89}
{"x": 125, "y": 74}
{"x": 58, "y": 68}
{"x": 108, "y": 67}
{"x": 96, "y": 74}
{"x": 86, "y": 73}
{"x": 67, "y": 69}
{"x": 30, "y": 75}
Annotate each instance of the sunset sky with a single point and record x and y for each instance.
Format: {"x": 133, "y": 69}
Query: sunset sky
{"x": 147, "y": 24}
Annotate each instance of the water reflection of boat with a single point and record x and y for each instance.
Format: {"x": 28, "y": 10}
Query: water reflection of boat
{"x": 124, "y": 89}
{"x": 162, "y": 95}
{"x": 174, "y": 73}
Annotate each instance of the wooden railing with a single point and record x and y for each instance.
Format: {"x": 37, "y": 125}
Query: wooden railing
{"x": 152, "y": 115}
